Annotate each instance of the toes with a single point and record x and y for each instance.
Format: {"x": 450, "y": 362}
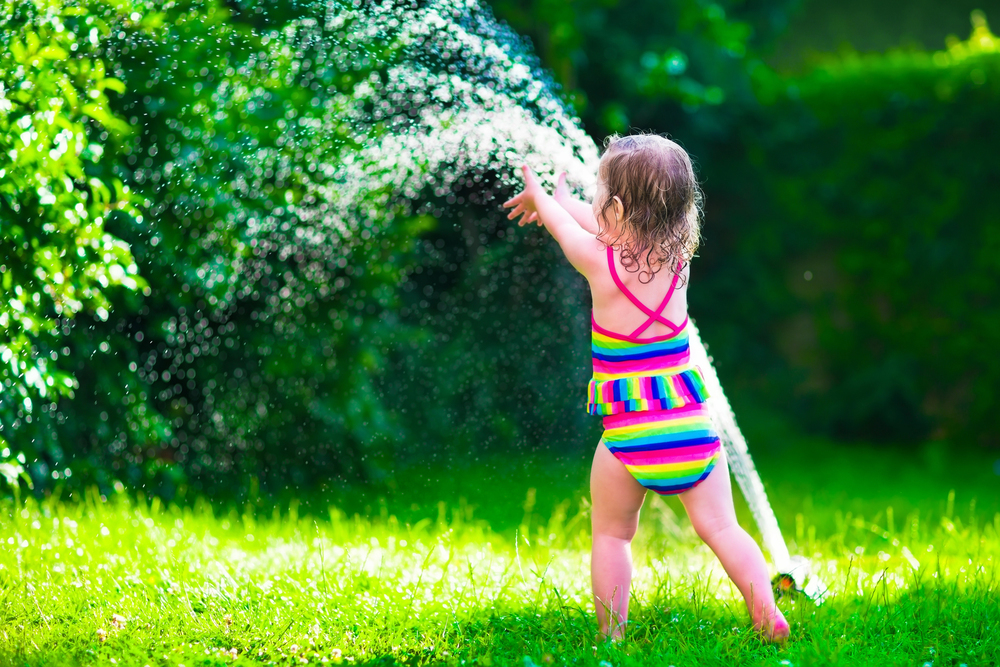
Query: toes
{"x": 775, "y": 632}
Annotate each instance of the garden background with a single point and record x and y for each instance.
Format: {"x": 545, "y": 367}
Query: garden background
{"x": 152, "y": 345}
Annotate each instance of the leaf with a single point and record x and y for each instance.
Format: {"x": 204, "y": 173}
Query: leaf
{"x": 68, "y": 91}
{"x": 100, "y": 192}
{"x": 18, "y": 50}
{"x": 52, "y": 52}
{"x": 114, "y": 84}
{"x": 101, "y": 115}
{"x": 33, "y": 43}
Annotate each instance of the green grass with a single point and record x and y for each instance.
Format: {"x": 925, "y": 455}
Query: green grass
{"x": 496, "y": 575}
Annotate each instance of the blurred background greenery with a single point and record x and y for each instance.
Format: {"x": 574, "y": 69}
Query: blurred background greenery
{"x": 846, "y": 281}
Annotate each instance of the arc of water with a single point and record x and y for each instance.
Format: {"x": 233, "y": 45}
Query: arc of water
{"x": 498, "y": 113}
{"x": 738, "y": 455}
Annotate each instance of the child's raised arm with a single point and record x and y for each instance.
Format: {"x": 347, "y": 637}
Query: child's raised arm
{"x": 581, "y": 211}
{"x": 580, "y": 246}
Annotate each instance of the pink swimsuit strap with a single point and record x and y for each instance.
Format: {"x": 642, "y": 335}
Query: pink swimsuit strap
{"x": 654, "y": 316}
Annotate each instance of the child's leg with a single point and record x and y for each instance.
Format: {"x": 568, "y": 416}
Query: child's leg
{"x": 710, "y": 507}
{"x": 616, "y": 499}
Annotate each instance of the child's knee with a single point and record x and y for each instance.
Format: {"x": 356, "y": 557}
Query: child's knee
{"x": 620, "y": 528}
{"x": 709, "y": 528}
{"x": 614, "y": 536}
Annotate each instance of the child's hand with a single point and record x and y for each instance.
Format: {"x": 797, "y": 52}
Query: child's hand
{"x": 524, "y": 204}
{"x": 561, "y": 194}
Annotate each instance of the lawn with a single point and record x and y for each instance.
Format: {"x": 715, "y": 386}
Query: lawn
{"x": 489, "y": 564}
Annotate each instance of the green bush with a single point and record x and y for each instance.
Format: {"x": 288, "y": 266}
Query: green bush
{"x": 680, "y": 66}
{"x": 268, "y": 346}
{"x": 58, "y": 199}
{"x": 866, "y": 233}
{"x": 214, "y": 328}
{"x": 254, "y": 356}
{"x": 239, "y": 358}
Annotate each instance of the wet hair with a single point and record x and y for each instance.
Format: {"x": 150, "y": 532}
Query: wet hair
{"x": 654, "y": 179}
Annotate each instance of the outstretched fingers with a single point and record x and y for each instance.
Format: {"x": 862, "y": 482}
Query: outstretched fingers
{"x": 562, "y": 190}
{"x": 529, "y": 176}
{"x": 526, "y": 215}
{"x": 514, "y": 201}
{"x": 523, "y": 203}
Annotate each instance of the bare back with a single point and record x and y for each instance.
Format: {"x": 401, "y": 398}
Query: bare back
{"x": 615, "y": 311}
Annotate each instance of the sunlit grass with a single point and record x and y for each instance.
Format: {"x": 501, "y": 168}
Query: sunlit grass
{"x": 129, "y": 582}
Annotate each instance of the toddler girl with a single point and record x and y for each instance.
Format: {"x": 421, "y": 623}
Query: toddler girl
{"x": 634, "y": 246}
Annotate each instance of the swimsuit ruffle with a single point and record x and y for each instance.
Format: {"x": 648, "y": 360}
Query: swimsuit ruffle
{"x": 645, "y": 393}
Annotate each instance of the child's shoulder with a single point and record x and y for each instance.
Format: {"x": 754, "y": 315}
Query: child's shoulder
{"x": 613, "y": 276}
{"x": 588, "y": 254}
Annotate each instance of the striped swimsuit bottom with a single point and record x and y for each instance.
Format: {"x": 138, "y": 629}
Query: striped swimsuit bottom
{"x": 656, "y": 421}
{"x": 667, "y": 451}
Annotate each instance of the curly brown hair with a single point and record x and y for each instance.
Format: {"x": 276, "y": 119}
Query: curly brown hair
{"x": 654, "y": 179}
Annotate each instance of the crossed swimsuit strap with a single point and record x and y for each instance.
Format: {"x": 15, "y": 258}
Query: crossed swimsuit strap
{"x": 654, "y": 316}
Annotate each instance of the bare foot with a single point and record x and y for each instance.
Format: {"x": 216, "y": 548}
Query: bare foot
{"x": 776, "y": 631}
{"x": 612, "y": 638}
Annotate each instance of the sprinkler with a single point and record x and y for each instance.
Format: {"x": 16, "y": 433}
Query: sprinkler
{"x": 795, "y": 574}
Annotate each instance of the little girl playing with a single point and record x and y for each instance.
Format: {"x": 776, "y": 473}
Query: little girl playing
{"x": 634, "y": 246}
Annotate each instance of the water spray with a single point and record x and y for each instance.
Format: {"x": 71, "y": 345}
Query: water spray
{"x": 795, "y": 573}
{"x": 475, "y": 101}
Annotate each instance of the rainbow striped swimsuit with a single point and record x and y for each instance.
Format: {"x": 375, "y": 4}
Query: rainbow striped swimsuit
{"x": 653, "y": 402}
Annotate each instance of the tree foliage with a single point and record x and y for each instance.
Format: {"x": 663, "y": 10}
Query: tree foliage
{"x": 847, "y": 229}
{"x": 682, "y": 66}
{"x": 875, "y": 205}
{"x": 170, "y": 318}
{"x": 57, "y": 199}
